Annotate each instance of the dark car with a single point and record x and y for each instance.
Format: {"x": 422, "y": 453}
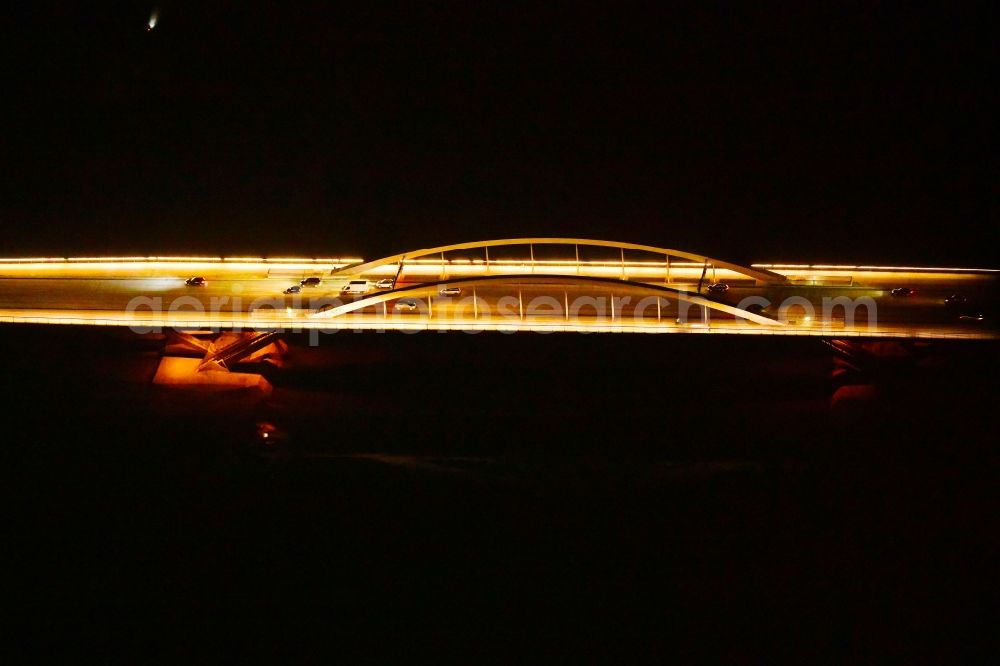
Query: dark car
{"x": 901, "y": 292}
{"x": 406, "y": 304}
{"x": 311, "y": 282}
{"x": 956, "y": 301}
{"x": 294, "y": 289}
{"x": 718, "y": 288}
{"x": 196, "y": 282}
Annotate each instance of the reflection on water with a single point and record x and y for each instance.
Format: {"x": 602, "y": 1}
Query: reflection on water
{"x": 493, "y": 483}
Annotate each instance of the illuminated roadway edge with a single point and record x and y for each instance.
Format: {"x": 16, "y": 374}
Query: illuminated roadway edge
{"x": 150, "y": 322}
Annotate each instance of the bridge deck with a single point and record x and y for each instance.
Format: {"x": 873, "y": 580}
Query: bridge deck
{"x": 247, "y": 293}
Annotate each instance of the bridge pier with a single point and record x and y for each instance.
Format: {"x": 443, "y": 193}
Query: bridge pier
{"x": 191, "y": 360}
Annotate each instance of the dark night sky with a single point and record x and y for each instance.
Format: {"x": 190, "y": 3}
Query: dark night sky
{"x": 824, "y": 132}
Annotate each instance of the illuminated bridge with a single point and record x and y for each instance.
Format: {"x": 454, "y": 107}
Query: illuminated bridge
{"x": 524, "y": 284}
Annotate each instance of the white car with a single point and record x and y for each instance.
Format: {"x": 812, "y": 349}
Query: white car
{"x": 355, "y": 287}
{"x": 450, "y": 291}
{"x": 387, "y": 283}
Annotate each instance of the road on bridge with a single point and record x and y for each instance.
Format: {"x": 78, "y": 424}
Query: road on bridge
{"x": 250, "y": 294}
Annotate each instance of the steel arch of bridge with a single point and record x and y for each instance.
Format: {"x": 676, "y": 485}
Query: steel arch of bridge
{"x": 431, "y": 289}
{"x": 759, "y": 274}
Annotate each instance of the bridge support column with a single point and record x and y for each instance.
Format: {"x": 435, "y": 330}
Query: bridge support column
{"x": 193, "y": 361}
